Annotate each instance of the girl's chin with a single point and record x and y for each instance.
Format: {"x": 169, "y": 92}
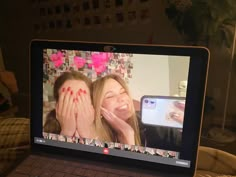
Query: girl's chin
{"x": 124, "y": 116}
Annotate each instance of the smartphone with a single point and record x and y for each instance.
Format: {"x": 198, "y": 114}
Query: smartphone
{"x": 164, "y": 111}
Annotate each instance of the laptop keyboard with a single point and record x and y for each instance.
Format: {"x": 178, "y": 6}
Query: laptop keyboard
{"x": 39, "y": 166}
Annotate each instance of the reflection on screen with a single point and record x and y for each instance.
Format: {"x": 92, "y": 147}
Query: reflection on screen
{"x": 107, "y": 112}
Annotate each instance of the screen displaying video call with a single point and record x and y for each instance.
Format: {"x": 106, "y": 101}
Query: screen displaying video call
{"x": 123, "y": 104}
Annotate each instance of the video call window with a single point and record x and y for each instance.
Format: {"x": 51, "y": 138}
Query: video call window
{"x": 133, "y": 93}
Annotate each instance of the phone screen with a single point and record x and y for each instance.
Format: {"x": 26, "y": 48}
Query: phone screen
{"x": 163, "y": 111}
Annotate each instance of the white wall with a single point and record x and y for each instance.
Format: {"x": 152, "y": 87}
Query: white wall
{"x": 150, "y": 76}
{"x": 179, "y": 66}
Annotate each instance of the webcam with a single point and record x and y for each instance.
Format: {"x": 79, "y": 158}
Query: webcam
{"x": 109, "y": 48}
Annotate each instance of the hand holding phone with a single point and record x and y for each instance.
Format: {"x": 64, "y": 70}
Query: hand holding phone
{"x": 163, "y": 111}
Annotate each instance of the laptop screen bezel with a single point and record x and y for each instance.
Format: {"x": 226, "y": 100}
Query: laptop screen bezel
{"x": 198, "y": 67}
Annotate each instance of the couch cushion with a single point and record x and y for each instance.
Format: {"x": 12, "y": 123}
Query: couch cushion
{"x": 14, "y": 141}
{"x": 216, "y": 161}
{"x": 14, "y": 132}
{"x": 203, "y": 173}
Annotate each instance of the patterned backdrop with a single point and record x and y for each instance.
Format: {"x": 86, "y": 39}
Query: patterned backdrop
{"x": 92, "y": 64}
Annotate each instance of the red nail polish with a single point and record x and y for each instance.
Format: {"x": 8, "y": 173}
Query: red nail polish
{"x": 63, "y": 89}
{"x": 80, "y": 90}
{"x": 68, "y": 88}
{"x": 85, "y": 92}
{"x": 78, "y": 93}
{"x": 71, "y": 92}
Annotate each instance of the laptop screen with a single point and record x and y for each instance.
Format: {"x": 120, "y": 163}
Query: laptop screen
{"x": 124, "y": 101}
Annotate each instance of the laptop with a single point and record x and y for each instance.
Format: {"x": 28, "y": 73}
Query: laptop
{"x": 144, "y": 119}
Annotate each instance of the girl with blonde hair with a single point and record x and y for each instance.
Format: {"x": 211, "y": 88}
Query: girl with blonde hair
{"x": 115, "y": 118}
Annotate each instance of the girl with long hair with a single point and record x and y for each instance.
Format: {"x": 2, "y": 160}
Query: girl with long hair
{"x": 115, "y": 118}
{"x": 74, "y": 113}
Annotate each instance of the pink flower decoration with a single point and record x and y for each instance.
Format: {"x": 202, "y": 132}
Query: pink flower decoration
{"x": 90, "y": 65}
{"x": 56, "y": 58}
{"x": 99, "y": 61}
{"x": 100, "y": 69}
{"x": 79, "y": 62}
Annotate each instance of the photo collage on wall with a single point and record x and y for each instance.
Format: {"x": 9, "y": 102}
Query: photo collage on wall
{"x": 92, "y": 64}
{"x": 73, "y": 14}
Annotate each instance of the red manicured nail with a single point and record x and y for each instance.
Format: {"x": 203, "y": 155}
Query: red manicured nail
{"x": 68, "y": 88}
{"x": 85, "y": 92}
{"x": 63, "y": 89}
{"x": 71, "y": 92}
{"x": 78, "y": 93}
